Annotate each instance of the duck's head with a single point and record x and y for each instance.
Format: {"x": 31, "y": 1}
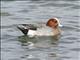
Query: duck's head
{"x": 53, "y": 23}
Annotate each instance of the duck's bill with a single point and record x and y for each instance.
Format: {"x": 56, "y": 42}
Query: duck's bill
{"x": 60, "y": 25}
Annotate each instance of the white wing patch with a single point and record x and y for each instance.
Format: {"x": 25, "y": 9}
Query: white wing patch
{"x": 31, "y": 33}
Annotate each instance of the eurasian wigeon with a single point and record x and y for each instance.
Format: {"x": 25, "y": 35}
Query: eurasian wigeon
{"x": 51, "y": 28}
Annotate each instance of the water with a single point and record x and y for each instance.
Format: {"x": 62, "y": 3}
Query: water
{"x": 16, "y": 46}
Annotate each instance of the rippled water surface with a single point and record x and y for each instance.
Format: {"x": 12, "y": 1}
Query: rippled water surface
{"x": 16, "y": 46}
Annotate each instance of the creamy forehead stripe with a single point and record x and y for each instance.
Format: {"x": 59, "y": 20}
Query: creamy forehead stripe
{"x": 58, "y": 22}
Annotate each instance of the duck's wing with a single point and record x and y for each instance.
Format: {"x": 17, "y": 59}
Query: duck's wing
{"x": 24, "y": 28}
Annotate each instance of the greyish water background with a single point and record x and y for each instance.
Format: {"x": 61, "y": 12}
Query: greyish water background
{"x": 15, "y": 46}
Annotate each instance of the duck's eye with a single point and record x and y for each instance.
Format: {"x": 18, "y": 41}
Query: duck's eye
{"x": 55, "y": 21}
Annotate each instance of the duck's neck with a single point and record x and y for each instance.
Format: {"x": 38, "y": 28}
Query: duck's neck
{"x": 57, "y": 30}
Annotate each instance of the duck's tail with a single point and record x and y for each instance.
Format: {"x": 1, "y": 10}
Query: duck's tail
{"x": 23, "y": 30}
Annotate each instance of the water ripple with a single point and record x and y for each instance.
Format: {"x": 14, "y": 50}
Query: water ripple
{"x": 15, "y": 45}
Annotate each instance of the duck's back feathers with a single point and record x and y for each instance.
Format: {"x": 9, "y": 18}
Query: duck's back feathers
{"x": 29, "y": 26}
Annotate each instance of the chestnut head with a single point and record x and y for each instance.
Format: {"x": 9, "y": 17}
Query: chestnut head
{"x": 53, "y": 22}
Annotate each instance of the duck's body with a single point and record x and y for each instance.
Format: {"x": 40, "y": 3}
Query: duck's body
{"x": 45, "y": 30}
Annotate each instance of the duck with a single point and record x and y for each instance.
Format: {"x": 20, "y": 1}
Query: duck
{"x": 51, "y": 28}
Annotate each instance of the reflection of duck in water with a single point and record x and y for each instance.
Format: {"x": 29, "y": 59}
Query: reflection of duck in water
{"x": 50, "y": 29}
{"x": 38, "y": 42}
